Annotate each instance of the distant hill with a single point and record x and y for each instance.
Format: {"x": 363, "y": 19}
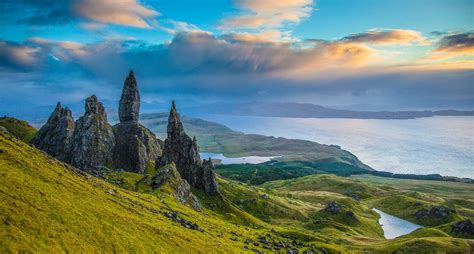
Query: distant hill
{"x": 307, "y": 110}
{"x": 18, "y": 128}
{"x": 216, "y": 138}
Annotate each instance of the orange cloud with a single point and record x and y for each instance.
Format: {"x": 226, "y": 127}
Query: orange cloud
{"x": 390, "y": 37}
{"x": 268, "y": 13}
{"x": 270, "y": 36}
{"x": 120, "y": 12}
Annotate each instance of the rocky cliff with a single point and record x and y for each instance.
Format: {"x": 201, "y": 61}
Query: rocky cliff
{"x": 184, "y": 152}
{"x": 135, "y": 144}
{"x": 91, "y": 143}
{"x": 55, "y": 136}
{"x": 93, "y": 140}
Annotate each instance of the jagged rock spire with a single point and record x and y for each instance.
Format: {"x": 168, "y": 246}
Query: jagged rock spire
{"x": 129, "y": 107}
{"x": 93, "y": 140}
{"x": 54, "y": 137}
{"x": 184, "y": 152}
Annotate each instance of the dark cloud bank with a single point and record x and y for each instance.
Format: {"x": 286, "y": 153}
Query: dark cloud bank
{"x": 198, "y": 68}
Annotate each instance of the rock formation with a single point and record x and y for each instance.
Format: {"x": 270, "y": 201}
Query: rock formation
{"x": 169, "y": 177}
{"x": 135, "y": 144}
{"x": 93, "y": 140}
{"x": 183, "y": 151}
{"x": 55, "y": 136}
{"x": 129, "y": 107}
{"x": 463, "y": 228}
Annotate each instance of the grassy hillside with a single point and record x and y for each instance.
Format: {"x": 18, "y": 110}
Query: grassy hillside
{"x": 18, "y": 128}
{"x": 47, "y": 206}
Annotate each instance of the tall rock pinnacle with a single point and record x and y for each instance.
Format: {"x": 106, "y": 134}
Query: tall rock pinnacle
{"x": 184, "y": 152}
{"x": 135, "y": 145}
{"x": 129, "y": 107}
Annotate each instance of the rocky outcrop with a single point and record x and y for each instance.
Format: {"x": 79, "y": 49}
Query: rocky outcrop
{"x": 169, "y": 177}
{"x": 435, "y": 212}
{"x": 463, "y": 228}
{"x": 55, "y": 136}
{"x": 135, "y": 145}
{"x": 129, "y": 107}
{"x": 332, "y": 208}
{"x": 93, "y": 139}
{"x": 183, "y": 151}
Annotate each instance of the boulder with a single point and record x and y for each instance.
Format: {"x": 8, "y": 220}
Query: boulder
{"x": 184, "y": 152}
{"x": 93, "y": 139}
{"x": 463, "y": 228}
{"x": 332, "y": 208}
{"x": 55, "y": 136}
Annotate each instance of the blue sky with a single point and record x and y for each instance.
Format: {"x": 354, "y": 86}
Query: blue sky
{"x": 404, "y": 53}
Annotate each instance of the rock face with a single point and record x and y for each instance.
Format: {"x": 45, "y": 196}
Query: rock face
{"x": 183, "y": 151}
{"x": 135, "y": 144}
{"x": 55, "y": 136}
{"x": 169, "y": 176}
{"x": 93, "y": 139}
{"x": 129, "y": 107}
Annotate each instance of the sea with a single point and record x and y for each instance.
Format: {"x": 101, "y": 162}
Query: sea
{"x": 435, "y": 145}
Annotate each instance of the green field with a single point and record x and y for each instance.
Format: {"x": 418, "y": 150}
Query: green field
{"x": 48, "y": 206}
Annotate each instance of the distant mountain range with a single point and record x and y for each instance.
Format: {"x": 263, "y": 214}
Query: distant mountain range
{"x": 307, "y": 110}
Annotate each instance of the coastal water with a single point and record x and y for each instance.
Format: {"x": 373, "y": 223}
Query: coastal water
{"x": 436, "y": 145}
{"x": 393, "y": 226}
{"x": 236, "y": 160}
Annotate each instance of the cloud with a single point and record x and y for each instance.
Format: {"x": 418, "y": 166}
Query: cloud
{"x": 118, "y": 12}
{"x": 462, "y": 43}
{"x": 18, "y": 57}
{"x": 268, "y": 13}
{"x": 270, "y": 36}
{"x": 173, "y": 27}
{"x": 388, "y": 37}
{"x": 452, "y": 46}
{"x": 58, "y": 12}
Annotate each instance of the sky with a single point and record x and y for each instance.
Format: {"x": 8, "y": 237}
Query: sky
{"x": 405, "y": 54}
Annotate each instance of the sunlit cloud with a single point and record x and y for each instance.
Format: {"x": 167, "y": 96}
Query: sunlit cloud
{"x": 268, "y": 13}
{"x": 269, "y": 36}
{"x": 15, "y": 57}
{"x": 118, "y": 12}
{"x": 388, "y": 37}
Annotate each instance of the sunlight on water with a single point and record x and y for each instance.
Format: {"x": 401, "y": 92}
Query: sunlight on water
{"x": 442, "y": 145}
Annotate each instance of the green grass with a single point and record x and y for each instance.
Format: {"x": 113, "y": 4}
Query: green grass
{"x": 18, "y": 128}
{"x": 49, "y": 207}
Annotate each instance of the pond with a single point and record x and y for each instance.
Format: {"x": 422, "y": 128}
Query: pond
{"x": 237, "y": 160}
{"x": 393, "y": 226}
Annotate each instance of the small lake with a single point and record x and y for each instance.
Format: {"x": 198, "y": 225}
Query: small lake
{"x": 393, "y": 226}
{"x": 237, "y": 160}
